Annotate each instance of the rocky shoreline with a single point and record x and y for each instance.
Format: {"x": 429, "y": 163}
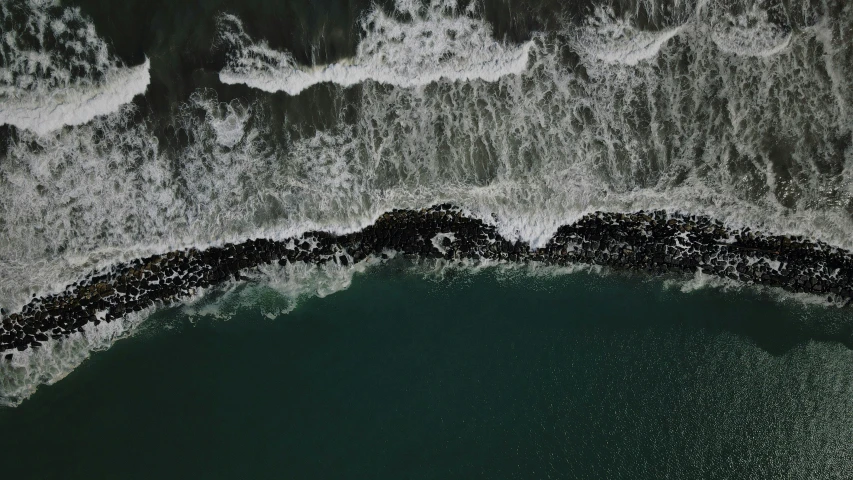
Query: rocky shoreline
{"x": 654, "y": 242}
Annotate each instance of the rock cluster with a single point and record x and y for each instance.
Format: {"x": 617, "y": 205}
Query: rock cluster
{"x": 654, "y": 242}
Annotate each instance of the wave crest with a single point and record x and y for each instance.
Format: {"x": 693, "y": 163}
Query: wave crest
{"x": 440, "y": 44}
{"x": 616, "y": 40}
{"x": 56, "y": 71}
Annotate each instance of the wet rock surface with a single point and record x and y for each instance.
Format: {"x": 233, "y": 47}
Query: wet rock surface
{"x": 654, "y": 242}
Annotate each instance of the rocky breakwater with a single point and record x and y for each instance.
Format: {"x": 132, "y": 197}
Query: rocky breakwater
{"x": 653, "y": 242}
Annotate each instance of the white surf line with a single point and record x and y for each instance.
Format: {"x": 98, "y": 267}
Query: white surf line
{"x": 43, "y": 112}
{"x": 615, "y": 40}
{"x": 434, "y": 47}
{"x": 611, "y": 39}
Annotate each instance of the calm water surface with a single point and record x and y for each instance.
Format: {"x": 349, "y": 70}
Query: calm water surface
{"x": 478, "y": 376}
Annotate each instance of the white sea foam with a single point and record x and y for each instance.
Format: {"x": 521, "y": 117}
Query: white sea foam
{"x": 43, "y": 112}
{"x": 227, "y": 120}
{"x": 276, "y": 290}
{"x": 438, "y": 241}
{"x": 702, "y": 281}
{"x": 616, "y": 40}
{"x": 57, "y": 358}
{"x": 529, "y": 152}
{"x": 56, "y": 71}
{"x": 750, "y": 34}
{"x": 440, "y": 44}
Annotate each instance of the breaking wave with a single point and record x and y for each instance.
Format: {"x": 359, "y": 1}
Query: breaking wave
{"x": 56, "y": 71}
{"x": 440, "y": 44}
{"x": 617, "y": 40}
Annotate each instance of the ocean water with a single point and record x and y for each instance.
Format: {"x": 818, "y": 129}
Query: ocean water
{"x": 493, "y": 374}
{"x": 139, "y": 127}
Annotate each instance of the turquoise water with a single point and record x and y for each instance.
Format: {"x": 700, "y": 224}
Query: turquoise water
{"x": 478, "y": 375}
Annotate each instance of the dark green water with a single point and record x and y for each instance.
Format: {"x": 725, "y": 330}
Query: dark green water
{"x": 479, "y": 376}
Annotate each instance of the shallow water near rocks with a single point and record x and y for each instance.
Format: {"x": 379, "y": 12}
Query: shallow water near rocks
{"x": 476, "y": 375}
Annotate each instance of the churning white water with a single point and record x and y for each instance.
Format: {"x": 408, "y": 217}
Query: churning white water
{"x": 731, "y": 108}
{"x": 56, "y": 71}
{"x": 728, "y": 110}
{"x": 433, "y": 46}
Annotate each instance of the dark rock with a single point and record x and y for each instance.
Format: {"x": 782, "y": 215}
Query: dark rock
{"x": 651, "y": 241}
